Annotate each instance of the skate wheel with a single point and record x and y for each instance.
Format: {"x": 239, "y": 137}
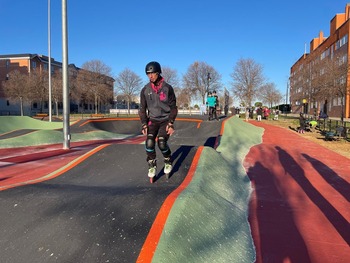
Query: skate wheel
{"x": 151, "y": 179}
{"x": 167, "y": 176}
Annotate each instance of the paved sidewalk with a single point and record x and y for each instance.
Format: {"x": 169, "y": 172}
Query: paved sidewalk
{"x": 299, "y": 210}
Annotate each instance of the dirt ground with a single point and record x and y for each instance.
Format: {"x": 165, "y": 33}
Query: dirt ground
{"x": 341, "y": 146}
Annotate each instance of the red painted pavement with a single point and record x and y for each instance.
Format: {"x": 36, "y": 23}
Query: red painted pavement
{"x": 19, "y": 166}
{"x": 300, "y": 207}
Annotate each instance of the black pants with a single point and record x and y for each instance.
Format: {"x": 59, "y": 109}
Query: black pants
{"x": 157, "y": 130}
{"x": 212, "y": 113}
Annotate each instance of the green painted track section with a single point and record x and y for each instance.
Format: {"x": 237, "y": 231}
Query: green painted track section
{"x": 209, "y": 220}
{"x": 44, "y": 132}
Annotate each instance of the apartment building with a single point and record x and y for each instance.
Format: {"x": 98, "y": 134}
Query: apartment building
{"x": 27, "y": 63}
{"x": 316, "y": 86}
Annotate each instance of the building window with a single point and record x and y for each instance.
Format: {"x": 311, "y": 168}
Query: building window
{"x": 343, "y": 59}
{"x": 341, "y": 42}
{"x": 7, "y": 64}
{"x": 322, "y": 71}
{"x": 332, "y": 51}
{"x": 342, "y": 80}
{"x": 33, "y": 64}
{"x": 344, "y": 40}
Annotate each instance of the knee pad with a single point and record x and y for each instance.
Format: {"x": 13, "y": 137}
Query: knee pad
{"x": 162, "y": 144}
{"x": 150, "y": 143}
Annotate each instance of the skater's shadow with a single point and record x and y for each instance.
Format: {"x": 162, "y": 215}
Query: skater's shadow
{"x": 330, "y": 176}
{"x": 178, "y": 157}
{"x": 210, "y": 142}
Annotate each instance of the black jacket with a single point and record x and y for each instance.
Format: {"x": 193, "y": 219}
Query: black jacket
{"x": 157, "y": 106}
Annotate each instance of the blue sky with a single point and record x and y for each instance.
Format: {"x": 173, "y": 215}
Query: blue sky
{"x": 129, "y": 34}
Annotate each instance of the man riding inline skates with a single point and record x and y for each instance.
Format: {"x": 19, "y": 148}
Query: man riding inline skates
{"x": 157, "y": 113}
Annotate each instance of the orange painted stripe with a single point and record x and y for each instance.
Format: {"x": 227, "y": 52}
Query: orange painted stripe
{"x": 59, "y": 172}
{"x": 134, "y": 119}
{"x": 109, "y": 119}
{"x": 151, "y": 242}
{"x": 217, "y": 141}
{"x": 223, "y": 127}
{"x": 75, "y": 122}
{"x": 189, "y": 119}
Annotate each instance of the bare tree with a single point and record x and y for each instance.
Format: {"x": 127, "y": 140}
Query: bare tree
{"x": 38, "y": 85}
{"x": 106, "y": 96}
{"x": 307, "y": 85}
{"x": 201, "y": 78}
{"x": 170, "y": 76}
{"x": 269, "y": 94}
{"x": 16, "y": 87}
{"x": 183, "y": 99}
{"x": 92, "y": 84}
{"x": 129, "y": 84}
{"x": 57, "y": 89}
{"x": 333, "y": 79}
{"x": 247, "y": 78}
{"x": 97, "y": 66}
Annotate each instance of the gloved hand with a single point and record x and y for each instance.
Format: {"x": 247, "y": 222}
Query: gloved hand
{"x": 144, "y": 129}
{"x": 170, "y": 129}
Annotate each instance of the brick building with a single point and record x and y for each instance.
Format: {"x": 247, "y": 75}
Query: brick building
{"x": 315, "y": 86}
{"x": 27, "y": 63}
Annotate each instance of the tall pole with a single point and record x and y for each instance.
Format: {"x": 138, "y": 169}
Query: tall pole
{"x": 207, "y": 88}
{"x": 208, "y": 78}
{"x": 49, "y": 47}
{"x": 66, "y": 109}
{"x": 287, "y": 92}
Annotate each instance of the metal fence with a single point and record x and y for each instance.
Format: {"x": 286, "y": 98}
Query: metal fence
{"x": 330, "y": 125}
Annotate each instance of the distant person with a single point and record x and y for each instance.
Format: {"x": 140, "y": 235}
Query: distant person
{"x": 313, "y": 123}
{"x": 323, "y": 115}
{"x": 251, "y": 113}
{"x": 266, "y": 113}
{"x": 203, "y": 109}
{"x": 247, "y": 113}
{"x": 211, "y": 105}
{"x": 302, "y": 123}
{"x": 259, "y": 113}
{"x": 217, "y": 106}
{"x": 226, "y": 110}
{"x": 277, "y": 112}
{"x": 157, "y": 113}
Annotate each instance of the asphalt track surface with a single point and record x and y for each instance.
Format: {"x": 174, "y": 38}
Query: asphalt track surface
{"x": 100, "y": 208}
{"x": 94, "y": 202}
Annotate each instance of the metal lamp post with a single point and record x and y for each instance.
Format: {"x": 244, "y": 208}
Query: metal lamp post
{"x": 208, "y": 81}
{"x": 304, "y": 104}
{"x": 49, "y": 49}
{"x": 66, "y": 109}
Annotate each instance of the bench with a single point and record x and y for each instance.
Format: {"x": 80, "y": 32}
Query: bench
{"x": 41, "y": 116}
{"x": 333, "y": 136}
{"x": 97, "y": 115}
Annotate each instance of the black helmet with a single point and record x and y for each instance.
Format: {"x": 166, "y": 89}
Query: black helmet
{"x": 153, "y": 67}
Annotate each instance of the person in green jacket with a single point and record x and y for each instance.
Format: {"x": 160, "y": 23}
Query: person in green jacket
{"x": 211, "y": 102}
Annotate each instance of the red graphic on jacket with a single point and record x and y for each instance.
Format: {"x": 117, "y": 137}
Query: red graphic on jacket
{"x": 157, "y": 88}
{"x": 162, "y": 96}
